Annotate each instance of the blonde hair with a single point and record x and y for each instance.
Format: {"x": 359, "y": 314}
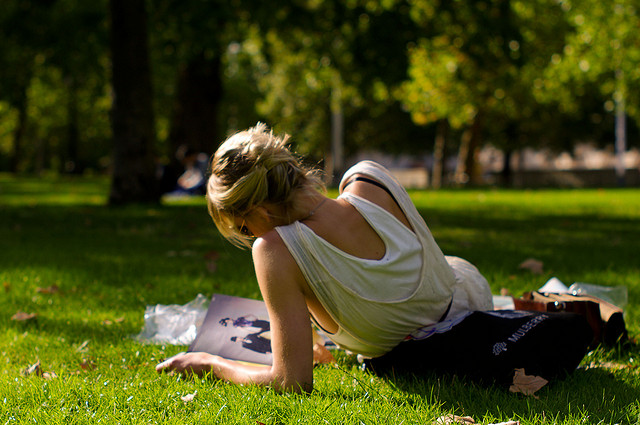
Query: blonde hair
{"x": 251, "y": 168}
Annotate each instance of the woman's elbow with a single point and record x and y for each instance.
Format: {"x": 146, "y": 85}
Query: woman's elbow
{"x": 299, "y": 387}
{"x": 293, "y": 384}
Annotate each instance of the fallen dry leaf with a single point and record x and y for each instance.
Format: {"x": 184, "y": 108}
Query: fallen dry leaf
{"x": 88, "y": 364}
{"x": 33, "y": 369}
{"x": 82, "y": 346}
{"x": 454, "y": 419}
{"x": 49, "y": 375}
{"x": 21, "y": 316}
{"x": 526, "y": 384}
{"x": 189, "y": 397}
{"x": 6, "y": 286}
{"x": 36, "y": 369}
{"x": 533, "y": 265}
{"x": 53, "y": 289}
{"x": 109, "y": 322}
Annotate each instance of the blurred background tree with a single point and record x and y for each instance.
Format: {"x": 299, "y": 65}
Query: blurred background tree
{"x": 132, "y": 115}
{"x": 601, "y": 54}
{"x": 425, "y": 78}
{"x": 53, "y": 85}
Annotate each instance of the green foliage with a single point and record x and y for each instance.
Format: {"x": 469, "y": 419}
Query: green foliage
{"x": 482, "y": 59}
{"x": 539, "y": 72}
{"x": 8, "y": 119}
{"x": 53, "y": 66}
{"x": 433, "y": 92}
{"x": 601, "y": 50}
{"x": 318, "y": 58}
{"x": 297, "y": 86}
{"x": 109, "y": 263}
{"x": 464, "y": 66}
{"x": 180, "y": 33}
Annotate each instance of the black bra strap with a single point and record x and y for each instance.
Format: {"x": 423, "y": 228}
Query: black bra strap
{"x": 373, "y": 182}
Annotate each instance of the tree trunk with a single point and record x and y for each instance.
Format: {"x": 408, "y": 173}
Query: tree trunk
{"x": 507, "y": 173}
{"x": 132, "y": 119}
{"x": 467, "y": 167}
{"x": 194, "y": 120}
{"x": 41, "y": 154}
{"x": 472, "y": 166}
{"x": 438, "y": 153}
{"x": 18, "y": 136}
{"x": 621, "y": 129}
{"x": 70, "y": 163}
{"x": 460, "y": 175}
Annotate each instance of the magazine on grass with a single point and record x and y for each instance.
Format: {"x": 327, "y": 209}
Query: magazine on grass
{"x": 235, "y": 328}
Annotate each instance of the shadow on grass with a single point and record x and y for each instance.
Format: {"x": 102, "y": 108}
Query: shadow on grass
{"x": 567, "y": 242}
{"x": 136, "y": 240}
{"x": 76, "y": 326}
{"x": 169, "y": 252}
{"x": 597, "y": 394}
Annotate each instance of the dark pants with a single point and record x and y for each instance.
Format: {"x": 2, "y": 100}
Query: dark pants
{"x": 489, "y": 346}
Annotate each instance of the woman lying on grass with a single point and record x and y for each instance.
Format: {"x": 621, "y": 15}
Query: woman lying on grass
{"x": 364, "y": 266}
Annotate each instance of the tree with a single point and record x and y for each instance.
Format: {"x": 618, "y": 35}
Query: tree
{"x": 52, "y": 77}
{"x": 602, "y": 51}
{"x": 475, "y": 66}
{"x": 319, "y": 63}
{"x": 189, "y": 40}
{"x": 193, "y": 47}
{"x": 22, "y": 37}
{"x": 79, "y": 50}
{"x": 134, "y": 168}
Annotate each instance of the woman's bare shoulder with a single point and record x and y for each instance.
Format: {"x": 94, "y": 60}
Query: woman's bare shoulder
{"x": 270, "y": 245}
{"x": 274, "y": 263}
{"x": 374, "y": 191}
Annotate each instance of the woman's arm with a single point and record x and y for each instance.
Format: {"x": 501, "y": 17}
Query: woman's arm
{"x": 281, "y": 284}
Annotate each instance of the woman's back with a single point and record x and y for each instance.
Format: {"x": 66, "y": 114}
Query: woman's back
{"x": 376, "y": 303}
{"x": 343, "y": 226}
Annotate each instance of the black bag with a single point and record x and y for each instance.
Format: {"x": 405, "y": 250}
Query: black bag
{"x": 488, "y": 346}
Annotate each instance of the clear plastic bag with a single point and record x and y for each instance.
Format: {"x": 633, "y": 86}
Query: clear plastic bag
{"x": 173, "y": 324}
{"x": 616, "y": 295}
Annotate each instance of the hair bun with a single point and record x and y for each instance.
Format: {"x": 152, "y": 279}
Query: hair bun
{"x": 251, "y": 168}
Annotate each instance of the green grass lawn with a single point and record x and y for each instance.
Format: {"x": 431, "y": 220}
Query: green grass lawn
{"x": 88, "y": 271}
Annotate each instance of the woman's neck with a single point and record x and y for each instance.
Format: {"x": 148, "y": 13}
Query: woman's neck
{"x": 308, "y": 205}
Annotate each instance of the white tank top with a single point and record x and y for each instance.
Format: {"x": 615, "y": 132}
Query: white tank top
{"x": 376, "y": 303}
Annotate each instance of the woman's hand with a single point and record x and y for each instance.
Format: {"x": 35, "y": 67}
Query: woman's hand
{"x": 321, "y": 355}
{"x": 188, "y": 363}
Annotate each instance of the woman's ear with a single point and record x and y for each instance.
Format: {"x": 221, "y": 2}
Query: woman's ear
{"x": 263, "y": 214}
